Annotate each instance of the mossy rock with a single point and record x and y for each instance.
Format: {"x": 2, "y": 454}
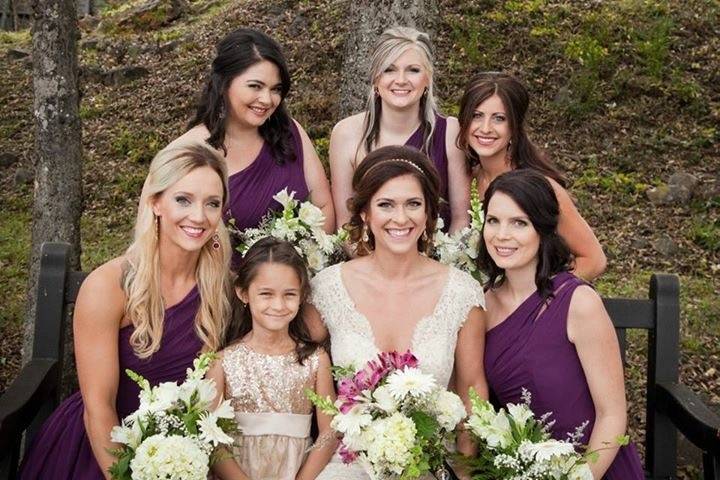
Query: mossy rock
{"x": 148, "y": 16}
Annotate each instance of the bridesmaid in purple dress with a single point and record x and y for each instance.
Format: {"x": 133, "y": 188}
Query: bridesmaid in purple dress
{"x": 547, "y": 330}
{"x": 151, "y": 310}
{"x": 242, "y": 115}
{"x": 401, "y": 110}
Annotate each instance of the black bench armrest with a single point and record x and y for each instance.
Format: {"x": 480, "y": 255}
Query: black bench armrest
{"x": 33, "y": 386}
{"x": 690, "y": 415}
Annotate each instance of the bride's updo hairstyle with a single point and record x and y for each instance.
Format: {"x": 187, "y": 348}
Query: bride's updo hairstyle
{"x": 380, "y": 166}
{"x": 535, "y": 196}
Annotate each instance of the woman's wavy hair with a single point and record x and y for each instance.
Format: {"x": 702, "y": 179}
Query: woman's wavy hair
{"x": 392, "y": 43}
{"x": 273, "y": 250}
{"x": 141, "y": 276}
{"x": 380, "y": 166}
{"x": 535, "y": 196}
{"x": 236, "y": 52}
{"x": 516, "y": 100}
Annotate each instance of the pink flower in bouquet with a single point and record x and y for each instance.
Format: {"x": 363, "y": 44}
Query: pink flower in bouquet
{"x": 347, "y": 455}
{"x": 398, "y": 361}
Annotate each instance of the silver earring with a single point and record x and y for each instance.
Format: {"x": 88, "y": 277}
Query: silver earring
{"x": 365, "y": 237}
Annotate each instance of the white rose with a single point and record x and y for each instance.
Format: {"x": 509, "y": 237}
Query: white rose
{"x": 311, "y": 215}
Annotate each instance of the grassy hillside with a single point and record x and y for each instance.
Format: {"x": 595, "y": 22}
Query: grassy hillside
{"x": 624, "y": 95}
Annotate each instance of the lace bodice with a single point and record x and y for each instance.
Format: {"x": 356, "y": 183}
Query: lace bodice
{"x": 433, "y": 342}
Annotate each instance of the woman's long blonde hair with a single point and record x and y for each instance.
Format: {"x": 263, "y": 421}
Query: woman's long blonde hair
{"x": 392, "y": 43}
{"x": 141, "y": 279}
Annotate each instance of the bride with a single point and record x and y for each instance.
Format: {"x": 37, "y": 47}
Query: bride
{"x": 392, "y": 297}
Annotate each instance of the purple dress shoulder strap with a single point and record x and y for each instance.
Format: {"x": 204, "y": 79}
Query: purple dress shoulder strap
{"x": 438, "y": 155}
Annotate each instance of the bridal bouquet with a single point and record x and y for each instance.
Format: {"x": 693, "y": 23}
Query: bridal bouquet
{"x": 460, "y": 249}
{"x": 394, "y": 420}
{"x": 298, "y": 223}
{"x": 513, "y": 444}
{"x": 173, "y": 433}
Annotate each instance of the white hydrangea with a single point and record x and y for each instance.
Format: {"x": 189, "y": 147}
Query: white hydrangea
{"x": 410, "y": 381}
{"x": 389, "y": 442}
{"x": 580, "y": 471}
{"x": 173, "y": 457}
{"x": 449, "y": 409}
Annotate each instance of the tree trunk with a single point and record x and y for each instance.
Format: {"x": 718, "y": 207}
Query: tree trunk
{"x": 369, "y": 19}
{"x": 58, "y": 156}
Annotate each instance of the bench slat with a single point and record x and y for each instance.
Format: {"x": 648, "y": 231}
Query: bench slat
{"x": 630, "y": 313}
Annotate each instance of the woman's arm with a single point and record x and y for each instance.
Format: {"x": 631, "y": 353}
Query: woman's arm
{"x": 458, "y": 178}
{"x": 342, "y": 167}
{"x": 592, "y": 332}
{"x": 226, "y": 468}
{"x": 316, "y": 181}
{"x": 99, "y": 312}
{"x": 469, "y": 368}
{"x": 314, "y": 323}
{"x": 320, "y": 456}
{"x": 590, "y": 261}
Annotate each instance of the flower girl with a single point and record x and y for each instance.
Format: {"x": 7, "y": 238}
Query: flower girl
{"x": 266, "y": 372}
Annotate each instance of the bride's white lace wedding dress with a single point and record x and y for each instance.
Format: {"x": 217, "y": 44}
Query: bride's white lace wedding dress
{"x": 353, "y": 343}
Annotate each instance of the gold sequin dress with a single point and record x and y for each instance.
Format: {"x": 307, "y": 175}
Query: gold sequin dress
{"x": 268, "y": 395}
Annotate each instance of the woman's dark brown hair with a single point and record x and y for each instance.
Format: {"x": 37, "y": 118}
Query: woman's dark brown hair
{"x": 535, "y": 196}
{"x": 272, "y": 250}
{"x": 376, "y": 169}
{"x": 236, "y": 52}
{"x": 516, "y": 100}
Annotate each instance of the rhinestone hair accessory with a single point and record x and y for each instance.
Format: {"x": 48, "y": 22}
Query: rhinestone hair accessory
{"x": 403, "y": 160}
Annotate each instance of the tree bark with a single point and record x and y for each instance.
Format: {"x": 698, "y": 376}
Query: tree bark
{"x": 369, "y": 19}
{"x": 57, "y": 201}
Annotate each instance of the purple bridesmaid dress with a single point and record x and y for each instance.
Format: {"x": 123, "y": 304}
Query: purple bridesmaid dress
{"x": 530, "y": 350}
{"x": 252, "y": 189}
{"x": 438, "y": 155}
{"x": 61, "y": 449}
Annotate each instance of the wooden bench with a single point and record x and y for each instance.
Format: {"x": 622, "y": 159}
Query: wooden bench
{"x": 671, "y": 406}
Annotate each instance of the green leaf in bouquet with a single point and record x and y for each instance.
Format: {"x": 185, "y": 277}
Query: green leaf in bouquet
{"x": 323, "y": 403}
{"x": 425, "y": 425}
{"x": 228, "y": 425}
{"x": 339, "y": 372}
{"x": 120, "y": 470}
{"x": 190, "y": 419}
{"x": 622, "y": 440}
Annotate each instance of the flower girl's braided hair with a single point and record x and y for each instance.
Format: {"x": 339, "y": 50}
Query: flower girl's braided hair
{"x": 380, "y": 166}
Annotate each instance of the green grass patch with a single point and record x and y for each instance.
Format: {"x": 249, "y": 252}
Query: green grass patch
{"x": 15, "y": 38}
{"x": 136, "y": 145}
{"x": 14, "y": 257}
{"x": 706, "y": 234}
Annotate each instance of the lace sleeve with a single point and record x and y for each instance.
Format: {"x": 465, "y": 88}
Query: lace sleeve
{"x": 323, "y": 293}
{"x": 467, "y": 293}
